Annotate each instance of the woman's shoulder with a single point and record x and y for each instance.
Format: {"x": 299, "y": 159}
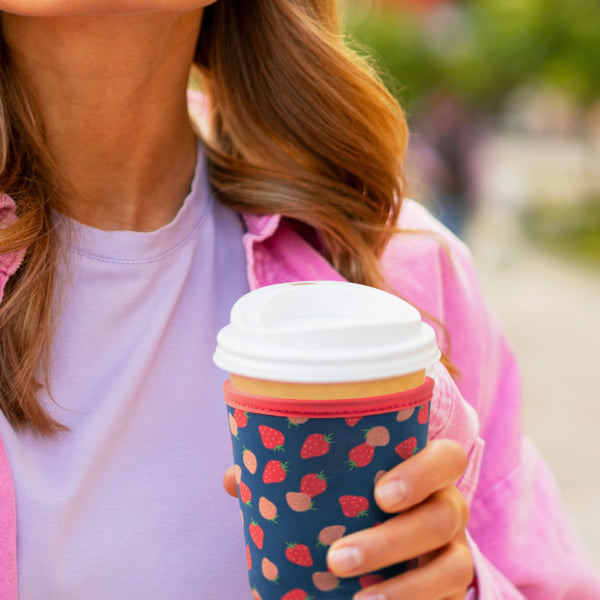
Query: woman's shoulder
{"x": 425, "y": 232}
{"x": 424, "y": 254}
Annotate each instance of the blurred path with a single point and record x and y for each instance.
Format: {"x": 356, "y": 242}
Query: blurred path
{"x": 550, "y": 307}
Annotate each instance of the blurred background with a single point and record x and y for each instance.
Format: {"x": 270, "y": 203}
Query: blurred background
{"x": 503, "y": 102}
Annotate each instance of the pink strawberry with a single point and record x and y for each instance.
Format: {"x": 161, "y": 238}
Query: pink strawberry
{"x": 248, "y": 557}
{"x": 299, "y": 554}
{"x": 315, "y": 444}
{"x": 274, "y": 472}
{"x": 423, "y": 414}
{"x": 407, "y": 448}
{"x": 237, "y": 471}
{"x": 330, "y": 534}
{"x": 257, "y": 534}
{"x": 352, "y": 421}
{"x": 313, "y": 484}
{"x": 297, "y": 421}
{"x": 361, "y": 456}
{"x": 267, "y": 509}
{"x": 296, "y": 594}
{"x": 354, "y": 506}
{"x": 241, "y": 418}
{"x": 233, "y": 426}
{"x": 405, "y": 414}
{"x": 245, "y": 493}
{"x": 249, "y": 460}
{"x": 370, "y": 579}
{"x": 378, "y": 436}
{"x": 298, "y": 501}
{"x": 269, "y": 570}
{"x": 325, "y": 581}
{"x": 271, "y": 438}
{"x": 255, "y": 594}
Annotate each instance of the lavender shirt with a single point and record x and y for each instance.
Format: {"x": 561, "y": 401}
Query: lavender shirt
{"x": 130, "y": 503}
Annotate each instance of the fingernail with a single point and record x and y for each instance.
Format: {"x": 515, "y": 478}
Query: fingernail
{"x": 367, "y": 596}
{"x": 392, "y": 493}
{"x": 345, "y": 559}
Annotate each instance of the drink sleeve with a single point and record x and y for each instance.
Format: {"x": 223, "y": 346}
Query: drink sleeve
{"x": 306, "y": 471}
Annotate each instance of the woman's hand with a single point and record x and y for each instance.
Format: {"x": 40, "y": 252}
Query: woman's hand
{"x": 430, "y": 525}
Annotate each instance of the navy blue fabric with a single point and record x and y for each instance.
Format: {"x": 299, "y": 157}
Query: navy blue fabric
{"x": 277, "y": 577}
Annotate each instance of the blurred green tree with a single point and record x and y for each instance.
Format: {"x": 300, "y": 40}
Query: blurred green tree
{"x": 482, "y": 49}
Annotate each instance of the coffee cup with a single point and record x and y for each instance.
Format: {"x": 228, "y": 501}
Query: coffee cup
{"x": 328, "y": 390}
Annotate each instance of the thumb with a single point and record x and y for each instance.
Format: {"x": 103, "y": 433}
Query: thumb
{"x": 229, "y": 482}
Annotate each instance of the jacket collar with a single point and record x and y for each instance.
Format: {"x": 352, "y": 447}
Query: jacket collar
{"x": 9, "y": 262}
{"x": 261, "y": 227}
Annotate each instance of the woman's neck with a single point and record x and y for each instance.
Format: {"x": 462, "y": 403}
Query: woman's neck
{"x": 112, "y": 96}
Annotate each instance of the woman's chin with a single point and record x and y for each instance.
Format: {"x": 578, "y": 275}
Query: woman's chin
{"x": 97, "y": 8}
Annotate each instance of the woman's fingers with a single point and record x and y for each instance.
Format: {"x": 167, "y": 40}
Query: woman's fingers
{"x": 438, "y": 465}
{"x": 229, "y": 482}
{"x": 425, "y": 528}
{"x": 446, "y": 577}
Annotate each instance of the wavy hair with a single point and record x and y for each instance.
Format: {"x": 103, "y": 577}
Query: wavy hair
{"x": 300, "y": 125}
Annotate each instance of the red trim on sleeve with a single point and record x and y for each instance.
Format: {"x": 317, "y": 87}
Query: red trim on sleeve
{"x": 324, "y": 409}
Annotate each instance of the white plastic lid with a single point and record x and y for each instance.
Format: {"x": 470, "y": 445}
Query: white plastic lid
{"x": 324, "y": 332}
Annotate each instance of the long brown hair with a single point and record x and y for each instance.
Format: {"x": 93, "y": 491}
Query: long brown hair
{"x": 300, "y": 126}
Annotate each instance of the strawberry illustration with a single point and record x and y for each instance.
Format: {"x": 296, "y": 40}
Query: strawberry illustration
{"x": 248, "y": 557}
{"x": 267, "y": 509}
{"x": 325, "y": 581}
{"x": 330, "y": 534}
{"x": 296, "y": 594}
{"x": 407, "y": 448}
{"x": 405, "y": 414}
{"x": 370, "y": 579}
{"x": 257, "y": 534}
{"x": 249, "y": 459}
{"x": 352, "y": 421}
{"x": 354, "y": 506}
{"x": 296, "y": 421}
{"x": 237, "y": 471}
{"x": 241, "y": 418}
{"x": 271, "y": 438}
{"x": 423, "y": 414}
{"x": 361, "y": 455}
{"x": 274, "y": 472}
{"x": 299, "y": 554}
{"x": 315, "y": 444}
{"x": 233, "y": 426}
{"x": 269, "y": 570}
{"x": 255, "y": 594}
{"x": 378, "y": 436}
{"x": 245, "y": 493}
{"x": 298, "y": 501}
{"x": 313, "y": 484}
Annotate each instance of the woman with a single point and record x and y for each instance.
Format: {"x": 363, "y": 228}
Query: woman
{"x": 120, "y": 262}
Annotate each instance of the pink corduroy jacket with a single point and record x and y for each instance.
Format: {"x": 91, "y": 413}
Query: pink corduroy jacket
{"x": 519, "y": 533}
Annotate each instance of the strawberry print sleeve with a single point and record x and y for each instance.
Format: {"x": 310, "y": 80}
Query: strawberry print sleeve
{"x": 306, "y": 473}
